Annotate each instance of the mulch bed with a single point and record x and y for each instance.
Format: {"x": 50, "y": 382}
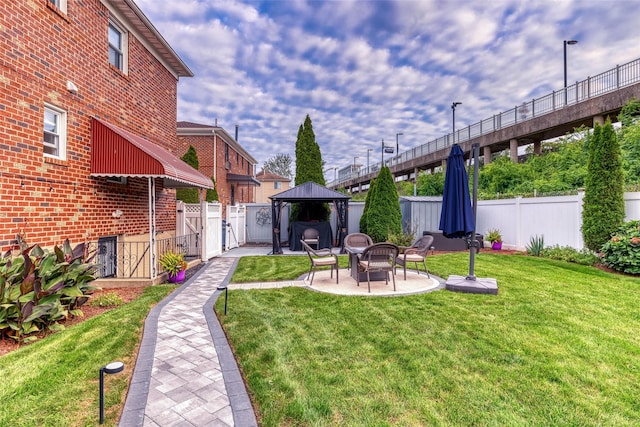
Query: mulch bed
{"x": 127, "y": 294}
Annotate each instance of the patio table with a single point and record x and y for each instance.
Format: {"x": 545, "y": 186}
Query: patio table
{"x": 354, "y": 257}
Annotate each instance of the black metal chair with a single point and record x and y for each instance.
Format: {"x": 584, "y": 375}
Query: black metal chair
{"x": 320, "y": 258}
{"x": 378, "y": 257}
{"x": 416, "y": 253}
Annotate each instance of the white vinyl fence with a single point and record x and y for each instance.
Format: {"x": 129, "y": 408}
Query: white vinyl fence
{"x": 236, "y": 227}
{"x": 558, "y": 219}
{"x": 213, "y": 235}
{"x": 204, "y": 219}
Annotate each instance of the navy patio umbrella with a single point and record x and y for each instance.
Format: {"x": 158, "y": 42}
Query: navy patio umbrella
{"x": 456, "y": 218}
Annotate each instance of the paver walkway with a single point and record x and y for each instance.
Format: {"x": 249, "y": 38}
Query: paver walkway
{"x": 185, "y": 374}
{"x": 178, "y": 379}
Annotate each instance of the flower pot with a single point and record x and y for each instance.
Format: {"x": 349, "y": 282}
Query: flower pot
{"x": 496, "y": 246}
{"x": 178, "y": 277}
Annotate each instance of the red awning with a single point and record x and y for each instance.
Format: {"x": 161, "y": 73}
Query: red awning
{"x": 120, "y": 153}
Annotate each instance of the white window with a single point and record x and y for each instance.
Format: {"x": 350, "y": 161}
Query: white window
{"x": 55, "y": 132}
{"x": 117, "y": 47}
{"x": 60, "y": 4}
{"x": 277, "y": 185}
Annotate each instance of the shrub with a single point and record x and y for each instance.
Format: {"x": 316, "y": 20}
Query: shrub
{"x": 383, "y": 215}
{"x": 622, "y": 251}
{"x": 536, "y": 245}
{"x": 569, "y": 254}
{"x": 110, "y": 299}
{"x": 406, "y": 237}
{"x": 38, "y": 288}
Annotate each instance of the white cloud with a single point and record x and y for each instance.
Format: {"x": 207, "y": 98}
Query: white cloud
{"x": 365, "y": 70}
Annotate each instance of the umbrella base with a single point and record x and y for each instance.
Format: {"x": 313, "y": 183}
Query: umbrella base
{"x": 472, "y": 286}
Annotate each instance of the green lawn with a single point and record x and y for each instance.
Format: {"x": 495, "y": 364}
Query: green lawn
{"x": 54, "y": 382}
{"x": 558, "y": 346}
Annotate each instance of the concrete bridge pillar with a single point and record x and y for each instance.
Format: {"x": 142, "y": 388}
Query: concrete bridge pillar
{"x": 444, "y": 165}
{"x": 487, "y": 155}
{"x": 599, "y": 120}
{"x": 537, "y": 147}
{"x": 513, "y": 150}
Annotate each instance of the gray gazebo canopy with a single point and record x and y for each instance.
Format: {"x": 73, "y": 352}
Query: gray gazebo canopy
{"x": 309, "y": 192}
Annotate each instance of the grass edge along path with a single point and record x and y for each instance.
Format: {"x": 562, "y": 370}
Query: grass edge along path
{"x": 557, "y": 346}
{"x": 54, "y": 382}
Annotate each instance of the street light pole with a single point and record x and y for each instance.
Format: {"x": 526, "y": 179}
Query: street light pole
{"x": 382, "y": 154}
{"x": 397, "y": 147}
{"x": 453, "y": 110}
{"x": 566, "y": 42}
{"x": 368, "y": 151}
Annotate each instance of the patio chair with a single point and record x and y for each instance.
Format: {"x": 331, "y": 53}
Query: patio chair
{"x": 319, "y": 258}
{"x": 378, "y": 257}
{"x": 415, "y": 254}
{"x": 356, "y": 241}
{"x": 312, "y": 237}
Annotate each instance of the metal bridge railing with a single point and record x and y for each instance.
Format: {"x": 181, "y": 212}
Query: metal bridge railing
{"x": 609, "y": 81}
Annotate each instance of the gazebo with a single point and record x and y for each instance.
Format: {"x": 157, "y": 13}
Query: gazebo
{"x": 309, "y": 192}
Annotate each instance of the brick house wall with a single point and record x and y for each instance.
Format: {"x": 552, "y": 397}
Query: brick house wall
{"x": 48, "y": 200}
{"x": 209, "y": 143}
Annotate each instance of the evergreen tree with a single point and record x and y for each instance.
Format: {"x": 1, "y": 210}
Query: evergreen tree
{"x": 603, "y": 209}
{"x": 189, "y": 195}
{"x": 308, "y": 157}
{"x": 212, "y": 194}
{"x": 367, "y": 204}
{"x": 308, "y": 169}
{"x": 384, "y": 215}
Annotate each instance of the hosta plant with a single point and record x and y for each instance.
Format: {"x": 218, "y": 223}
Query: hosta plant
{"x": 622, "y": 251}
{"x": 38, "y": 288}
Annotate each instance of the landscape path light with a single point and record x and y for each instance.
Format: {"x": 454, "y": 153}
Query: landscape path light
{"x": 111, "y": 368}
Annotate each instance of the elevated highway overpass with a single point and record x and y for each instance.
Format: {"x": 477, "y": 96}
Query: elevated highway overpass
{"x": 558, "y": 113}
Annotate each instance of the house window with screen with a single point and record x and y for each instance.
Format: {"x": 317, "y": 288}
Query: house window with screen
{"x": 55, "y": 137}
{"x": 117, "y": 46}
{"x": 277, "y": 185}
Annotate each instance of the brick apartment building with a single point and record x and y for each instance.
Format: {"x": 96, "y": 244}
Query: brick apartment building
{"x": 221, "y": 156}
{"x": 88, "y": 105}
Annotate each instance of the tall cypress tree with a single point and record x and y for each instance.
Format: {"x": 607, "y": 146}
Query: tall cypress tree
{"x": 189, "y": 195}
{"x": 384, "y": 215}
{"x": 308, "y": 157}
{"x": 603, "y": 208}
{"x": 308, "y": 169}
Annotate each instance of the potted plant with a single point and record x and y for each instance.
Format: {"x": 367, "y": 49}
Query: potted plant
{"x": 495, "y": 238}
{"x": 175, "y": 266}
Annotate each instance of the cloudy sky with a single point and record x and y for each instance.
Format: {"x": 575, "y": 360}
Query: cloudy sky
{"x": 366, "y": 70}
